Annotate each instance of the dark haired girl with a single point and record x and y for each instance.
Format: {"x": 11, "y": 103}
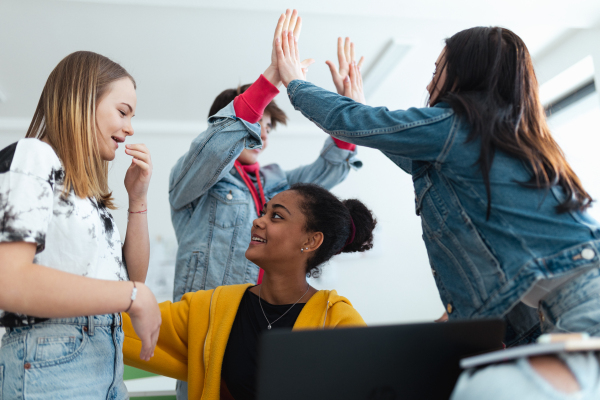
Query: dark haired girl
{"x": 503, "y": 214}
{"x": 209, "y": 338}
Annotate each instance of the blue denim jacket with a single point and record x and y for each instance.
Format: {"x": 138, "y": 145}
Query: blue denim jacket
{"x": 212, "y": 209}
{"x": 481, "y": 267}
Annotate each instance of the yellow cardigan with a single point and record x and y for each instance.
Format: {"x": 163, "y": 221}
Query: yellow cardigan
{"x": 195, "y": 331}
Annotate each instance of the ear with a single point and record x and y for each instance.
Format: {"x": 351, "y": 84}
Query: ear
{"x": 314, "y": 241}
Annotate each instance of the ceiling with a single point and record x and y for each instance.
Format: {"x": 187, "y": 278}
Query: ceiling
{"x": 182, "y": 53}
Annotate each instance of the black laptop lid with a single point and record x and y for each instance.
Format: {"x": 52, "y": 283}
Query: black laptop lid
{"x": 414, "y": 361}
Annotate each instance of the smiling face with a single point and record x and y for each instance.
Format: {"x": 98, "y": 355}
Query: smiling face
{"x": 278, "y": 235}
{"x": 248, "y": 157}
{"x": 439, "y": 78}
{"x": 113, "y": 117}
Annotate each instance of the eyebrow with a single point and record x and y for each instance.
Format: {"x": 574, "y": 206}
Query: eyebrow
{"x": 280, "y": 206}
{"x": 130, "y": 109}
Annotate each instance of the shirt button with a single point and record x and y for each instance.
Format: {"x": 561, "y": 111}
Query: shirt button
{"x": 449, "y": 308}
{"x": 433, "y": 271}
{"x": 229, "y": 196}
{"x": 27, "y": 365}
{"x": 588, "y": 254}
{"x": 85, "y": 328}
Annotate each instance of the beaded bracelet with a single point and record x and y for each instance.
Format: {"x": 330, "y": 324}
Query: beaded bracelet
{"x": 133, "y": 295}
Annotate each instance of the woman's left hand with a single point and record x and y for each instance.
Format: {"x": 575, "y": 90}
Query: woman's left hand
{"x": 288, "y": 58}
{"x": 137, "y": 178}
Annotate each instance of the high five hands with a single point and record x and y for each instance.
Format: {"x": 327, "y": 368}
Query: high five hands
{"x": 288, "y": 22}
{"x": 348, "y": 79}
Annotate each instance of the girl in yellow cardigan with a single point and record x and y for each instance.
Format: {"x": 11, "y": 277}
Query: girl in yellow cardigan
{"x": 209, "y": 338}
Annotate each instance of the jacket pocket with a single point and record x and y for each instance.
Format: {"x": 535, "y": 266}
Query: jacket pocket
{"x": 228, "y": 207}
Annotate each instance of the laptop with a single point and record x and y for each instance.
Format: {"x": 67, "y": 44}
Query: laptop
{"x": 412, "y": 361}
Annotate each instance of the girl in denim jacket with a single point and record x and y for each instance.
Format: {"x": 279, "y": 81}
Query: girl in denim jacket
{"x": 503, "y": 214}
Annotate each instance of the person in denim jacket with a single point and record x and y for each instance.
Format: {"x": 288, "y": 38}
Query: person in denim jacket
{"x": 504, "y": 216}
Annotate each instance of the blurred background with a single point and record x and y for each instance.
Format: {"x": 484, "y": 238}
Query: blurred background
{"x": 183, "y": 53}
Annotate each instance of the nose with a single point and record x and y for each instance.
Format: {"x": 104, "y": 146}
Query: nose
{"x": 128, "y": 129}
{"x": 258, "y": 222}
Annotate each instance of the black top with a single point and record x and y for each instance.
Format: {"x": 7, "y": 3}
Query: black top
{"x": 240, "y": 361}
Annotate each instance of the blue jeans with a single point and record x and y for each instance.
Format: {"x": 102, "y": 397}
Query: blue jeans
{"x": 70, "y": 358}
{"x": 572, "y": 307}
{"x": 518, "y": 380}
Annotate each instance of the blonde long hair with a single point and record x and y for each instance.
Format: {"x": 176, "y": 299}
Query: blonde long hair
{"x": 66, "y": 118}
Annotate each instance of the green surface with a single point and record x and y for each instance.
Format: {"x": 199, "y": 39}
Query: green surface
{"x": 134, "y": 373}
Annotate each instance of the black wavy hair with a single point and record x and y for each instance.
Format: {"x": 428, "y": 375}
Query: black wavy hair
{"x": 325, "y": 213}
{"x": 490, "y": 81}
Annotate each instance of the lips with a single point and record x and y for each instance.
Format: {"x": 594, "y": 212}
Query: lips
{"x": 117, "y": 140}
{"x": 256, "y": 239}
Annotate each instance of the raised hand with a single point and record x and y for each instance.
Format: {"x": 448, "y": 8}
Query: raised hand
{"x": 137, "y": 178}
{"x": 353, "y": 84}
{"x": 289, "y": 22}
{"x": 288, "y": 58}
{"x": 346, "y": 54}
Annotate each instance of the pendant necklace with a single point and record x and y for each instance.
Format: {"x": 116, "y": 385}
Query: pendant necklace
{"x": 263, "y": 311}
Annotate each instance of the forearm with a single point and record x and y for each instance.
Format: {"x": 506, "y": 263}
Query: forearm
{"x": 44, "y": 292}
{"x": 331, "y": 168}
{"x": 136, "y": 249}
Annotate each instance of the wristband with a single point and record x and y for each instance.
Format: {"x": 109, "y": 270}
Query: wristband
{"x": 133, "y": 295}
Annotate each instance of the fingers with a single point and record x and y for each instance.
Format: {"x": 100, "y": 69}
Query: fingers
{"x": 139, "y": 155}
{"x": 352, "y": 52}
{"x": 347, "y": 50}
{"x": 141, "y": 164}
{"x": 341, "y": 55}
{"x": 298, "y": 28}
{"x": 308, "y": 62}
{"x": 147, "y": 347}
{"x": 286, "y": 44}
{"x": 293, "y": 18}
{"x": 360, "y": 63}
{"x": 294, "y": 44}
{"x": 347, "y": 87}
{"x": 279, "y": 27}
{"x": 279, "y": 50}
{"x": 332, "y": 69}
{"x": 354, "y": 75}
{"x": 288, "y": 16}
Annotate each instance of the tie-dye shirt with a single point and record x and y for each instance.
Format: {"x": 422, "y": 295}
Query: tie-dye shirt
{"x": 72, "y": 234}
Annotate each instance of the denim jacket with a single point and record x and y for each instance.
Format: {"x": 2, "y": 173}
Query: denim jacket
{"x": 212, "y": 209}
{"x": 481, "y": 267}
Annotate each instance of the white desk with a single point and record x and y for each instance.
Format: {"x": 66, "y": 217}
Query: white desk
{"x": 153, "y": 386}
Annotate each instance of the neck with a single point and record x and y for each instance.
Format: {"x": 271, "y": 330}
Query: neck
{"x": 284, "y": 288}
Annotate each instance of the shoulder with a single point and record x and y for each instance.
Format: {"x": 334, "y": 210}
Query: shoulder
{"x": 342, "y": 311}
{"x": 30, "y": 156}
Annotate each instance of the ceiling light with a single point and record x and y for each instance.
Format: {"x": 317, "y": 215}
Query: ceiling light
{"x": 568, "y": 80}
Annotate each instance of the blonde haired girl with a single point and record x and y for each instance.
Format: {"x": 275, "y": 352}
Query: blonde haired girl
{"x": 64, "y": 275}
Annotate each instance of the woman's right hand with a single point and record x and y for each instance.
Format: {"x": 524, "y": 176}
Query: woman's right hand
{"x": 146, "y": 320}
{"x": 345, "y": 59}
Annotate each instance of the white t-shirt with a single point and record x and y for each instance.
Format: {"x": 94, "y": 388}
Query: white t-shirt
{"x": 72, "y": 234}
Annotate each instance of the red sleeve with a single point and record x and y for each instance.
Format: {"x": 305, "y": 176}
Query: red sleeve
{"x": 251, "y": 104}
{"x": 343, "y": 145}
